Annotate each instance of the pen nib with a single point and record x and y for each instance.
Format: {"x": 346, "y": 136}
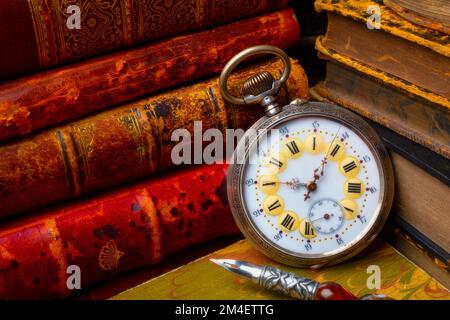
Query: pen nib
{"x": 228, "y": 264}
{"x": 241, "y": 268}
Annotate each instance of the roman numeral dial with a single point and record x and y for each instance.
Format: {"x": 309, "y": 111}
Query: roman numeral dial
{"x": 288, "y": 221}
{"x": 306, "y": 229}
{"x": 273, "y": 205}
{"x": 312, "y": 188}
{"x": 269, "y": 184}
{"x": 350, "y": 207}
{"x": 276, "y": 163}
{"x": 293, "y": 148}
{"x": 353, "y": 188}
{"x": 336, "y": 150}
{"x": 349, "y": 167}
{"x": 314, "y": 143}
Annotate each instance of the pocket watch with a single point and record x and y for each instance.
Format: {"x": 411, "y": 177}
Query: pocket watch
{"x": 310, "y": 183}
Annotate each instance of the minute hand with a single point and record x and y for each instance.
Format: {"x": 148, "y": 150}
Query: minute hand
{"x": 319, "y": 171}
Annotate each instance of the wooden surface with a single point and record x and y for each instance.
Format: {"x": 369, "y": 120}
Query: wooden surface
{"x": 202, "y": 279}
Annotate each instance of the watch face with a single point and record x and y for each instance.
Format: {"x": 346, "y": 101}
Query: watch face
{"x": 312, "y": 187}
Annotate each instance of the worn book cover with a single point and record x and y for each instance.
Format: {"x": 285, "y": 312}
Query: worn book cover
{"x": 63, "y": 94}
{"x": 123, "y": 144}
{"x": 434, "y": 14}
{"x": 44, "y": 33}
{"x": 390, "y": 22}
{"x": 407, "y": 60}
{"x": 112, "y": 233}
{"x": 387, "y": 100}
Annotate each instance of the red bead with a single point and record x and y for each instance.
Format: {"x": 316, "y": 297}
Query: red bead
{"x": 332, "y": 291}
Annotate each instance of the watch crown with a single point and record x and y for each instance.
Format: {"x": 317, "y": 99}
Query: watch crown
{"x": 258, "y": 83}
{"x": 262, "y": 85}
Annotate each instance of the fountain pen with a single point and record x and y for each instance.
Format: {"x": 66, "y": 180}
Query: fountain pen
{"x": 291, "y": 284}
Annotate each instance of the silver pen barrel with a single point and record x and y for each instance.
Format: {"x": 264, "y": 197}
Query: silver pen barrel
{"x": 272, "y": 278}
{"x": 288, "y": 283}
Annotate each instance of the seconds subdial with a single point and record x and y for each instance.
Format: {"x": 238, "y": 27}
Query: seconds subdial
{"x": 326, "y": 216}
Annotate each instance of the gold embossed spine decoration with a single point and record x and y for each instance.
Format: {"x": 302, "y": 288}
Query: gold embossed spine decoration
{"x": 109, "y": 25}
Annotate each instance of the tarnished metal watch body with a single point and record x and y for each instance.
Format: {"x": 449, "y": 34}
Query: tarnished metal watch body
{"x": 275, "y": 117}
{"x": 247, "y": 145}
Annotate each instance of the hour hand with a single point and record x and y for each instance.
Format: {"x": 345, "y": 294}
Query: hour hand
{"x": 294, "y": 184}
{"x": 269, "y": 184}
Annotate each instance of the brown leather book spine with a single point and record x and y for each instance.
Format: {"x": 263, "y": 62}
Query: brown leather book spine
{"x": 390, "y": 22}
{"x": 407, "y": 60}
{"x": 67, "y": 93}
{"x": 433, "y": 14}
{"x": 415, "y": 118}
{"x": 37, "y": 35}
{"x": 113, "y": 233}
{"x": 122, "y": 144}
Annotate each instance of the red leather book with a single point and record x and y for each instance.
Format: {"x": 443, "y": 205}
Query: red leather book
{"x": 63, "y": 94}
{"x": 35, "y": 34}
{"x": 122, "y": 144}
{"x": 113, "y": 233}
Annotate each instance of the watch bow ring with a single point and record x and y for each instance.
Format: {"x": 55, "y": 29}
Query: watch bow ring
{"x": 261, "y": 88}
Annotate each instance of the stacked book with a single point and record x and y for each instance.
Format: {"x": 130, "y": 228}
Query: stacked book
{"x": 89, "y": 98}
{"x": 391, "y": 65}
